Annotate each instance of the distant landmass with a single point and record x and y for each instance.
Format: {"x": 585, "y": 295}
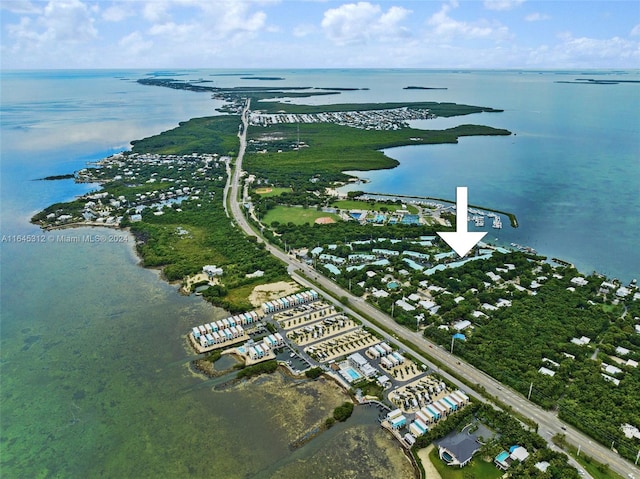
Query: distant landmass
{"x": 230, "y": 74}
{"x": 261, "y": 78}
{"x": 339, "y": 89}
{"x": 56, "y": 177}
{"x": 423, "y": 88}
{"x": 592, "y": 81}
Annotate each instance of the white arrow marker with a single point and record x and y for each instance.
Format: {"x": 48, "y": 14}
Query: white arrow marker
{"x": 462, "y": 240}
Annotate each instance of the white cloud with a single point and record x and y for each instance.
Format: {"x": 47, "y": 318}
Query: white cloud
{"x": 134, "y": 44}
{"x": 536, "y": 17}
{"x": 228, "y": 19}
{"x": 502, "y": 4}
{"x": 61, "y": 22}
{"x": 444, "y": 27}
{"x": 207, "y": 33}
{"x": 68, "y": 20}
{"x": 581, "y": 52}
{"x": 304, "y": 30}
{"x": 174, "y": 31}
{"x": 156, "y": 11}
{"x": 19, "y": 7}
{"x": 237, "y": 33}
{"x": 116, "y": 13}
{"x": 359, "y": 22}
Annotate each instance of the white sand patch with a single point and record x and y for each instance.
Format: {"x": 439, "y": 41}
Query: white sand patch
{"x": 198, "y": 278}
{"x": 267, "y": 292}
{"x": 430, "y": 471}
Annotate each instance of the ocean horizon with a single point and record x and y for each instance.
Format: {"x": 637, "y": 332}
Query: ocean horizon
{"x": 95, "y": 376}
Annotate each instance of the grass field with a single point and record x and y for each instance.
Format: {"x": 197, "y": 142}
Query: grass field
{"x": 268, "y": 191}
{"x": 477, "y": 468}
{"x": 297, "y": 216}
{"x": 366, "y": 205}
{"x": 239, "y": 296}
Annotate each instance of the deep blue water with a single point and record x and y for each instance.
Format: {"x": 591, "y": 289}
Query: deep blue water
{"x": 570, "y": 172}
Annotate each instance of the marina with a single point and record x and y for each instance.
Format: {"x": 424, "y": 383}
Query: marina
{"x": 389, "y": 119}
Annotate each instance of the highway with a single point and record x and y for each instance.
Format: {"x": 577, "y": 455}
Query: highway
{"x": 548, "y": 421}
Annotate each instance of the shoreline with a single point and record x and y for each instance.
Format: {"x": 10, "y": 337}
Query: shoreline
{"x": 512, "y": 217}
{"x": 117, "y": 226}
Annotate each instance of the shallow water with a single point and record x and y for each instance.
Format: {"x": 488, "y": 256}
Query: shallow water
{"x": 95, "y": 376}
{"x": 96, "y": 379}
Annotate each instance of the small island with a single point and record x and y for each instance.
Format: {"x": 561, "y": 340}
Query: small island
{"x": 423, "y": 88}
{"x": 66, "y": 176}
{"x": 595, "y": 81}
{"x": 261, "y": 78}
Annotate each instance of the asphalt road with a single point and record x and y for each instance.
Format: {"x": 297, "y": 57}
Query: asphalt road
{"x": 548, "y": 422}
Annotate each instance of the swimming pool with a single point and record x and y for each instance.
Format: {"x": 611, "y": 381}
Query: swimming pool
{"x": 354, "y": 375}
{"x": 502, "y": 456}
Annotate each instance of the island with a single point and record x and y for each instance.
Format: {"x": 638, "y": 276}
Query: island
{"x": 261, "y": 78}
{"x": 423, "y": 88}
{"x": 67, "y": 176}
{"x": 380, "y": 257}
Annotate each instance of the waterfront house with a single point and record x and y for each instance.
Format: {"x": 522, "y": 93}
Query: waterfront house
{"x": 398, "y": 422}
{"x": 457, "y": 449}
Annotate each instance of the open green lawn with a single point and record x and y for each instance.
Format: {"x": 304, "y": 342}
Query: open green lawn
{"x": 366, "y": 205}
{"x": 295, "y": 215}
{"x": 239, "y": 296}
{"x": 476, "y": 468}
{"x": 610, "y": 308}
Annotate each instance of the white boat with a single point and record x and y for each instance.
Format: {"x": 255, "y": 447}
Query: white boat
{"x": 497, "y": 222}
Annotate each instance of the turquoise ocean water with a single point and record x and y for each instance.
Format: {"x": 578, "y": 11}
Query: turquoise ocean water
{"x": 570, "y": 172}
{"x": 94, "y": 376}
{"x": 94, "y": 365}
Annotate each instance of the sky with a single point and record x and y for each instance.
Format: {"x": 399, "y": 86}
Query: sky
{"x": 523, "y": 34}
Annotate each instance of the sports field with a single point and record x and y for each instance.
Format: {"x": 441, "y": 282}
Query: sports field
{"x": 296, "y": 215}
{"x": 269, "y": 191}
